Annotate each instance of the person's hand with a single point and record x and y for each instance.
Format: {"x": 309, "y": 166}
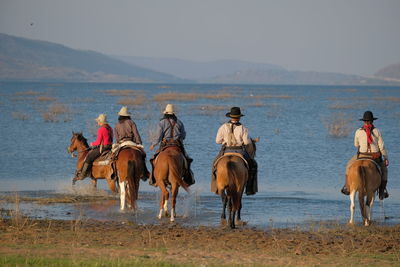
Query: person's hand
{"x": 386, "y": 162}
{"x": 151, "y": 147}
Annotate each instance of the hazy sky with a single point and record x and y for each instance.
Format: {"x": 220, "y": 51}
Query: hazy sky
{"x": 348, "y": 36}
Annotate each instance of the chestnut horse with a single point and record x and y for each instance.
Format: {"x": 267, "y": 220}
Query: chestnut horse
{"x": 168, "y": 172}
{"x": 129, "y": 166}
{"x": 363, "y": 177}
{"x": 231, "y": 178}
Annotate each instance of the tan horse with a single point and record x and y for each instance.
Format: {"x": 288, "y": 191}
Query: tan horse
{"x": 231, "y": 179}
{"x": 168, "y": 172}
{"x": 363, "y": 177}
{"x": 129, "y": 167}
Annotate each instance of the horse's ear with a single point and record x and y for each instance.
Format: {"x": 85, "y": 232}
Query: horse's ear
{"x": 255, "y": 140}
{"x": 73, "y": 133}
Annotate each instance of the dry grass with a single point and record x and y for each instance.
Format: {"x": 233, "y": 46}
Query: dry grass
{"x": 29, "y": 93}
{"x": 56, "y": 113}
{"x": 20, "y": 116}
{"x": 270, "y": 96}
{"x": 123, "y": 92}
{"x": 258, "y": 103}
{"x": 133, "y": 101}
{"x": 175, "y": 96}
{"x": 338, "y": 125}
{"x": 341, "y": 106}
{"x": 46, "y": 98}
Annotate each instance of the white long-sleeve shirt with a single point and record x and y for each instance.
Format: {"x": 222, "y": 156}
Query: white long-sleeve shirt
{"x": 240, "y": 135}
{"x": 360, "y": 140}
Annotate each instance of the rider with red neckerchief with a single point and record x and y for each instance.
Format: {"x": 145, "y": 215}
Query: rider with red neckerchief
{"x": 369, "y": 141}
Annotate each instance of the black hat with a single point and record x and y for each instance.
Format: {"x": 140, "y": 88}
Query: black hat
{"x": 368, "y": 116}
{"x": 235, "y": 113}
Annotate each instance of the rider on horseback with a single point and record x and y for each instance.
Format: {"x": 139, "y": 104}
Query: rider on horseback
{"x": 103, "y": 143}
{"x": 171, "y": 131}
{"x": 369, "y": 142}
{"x": 234, "y": 137}
{"x": 126, "y": 130}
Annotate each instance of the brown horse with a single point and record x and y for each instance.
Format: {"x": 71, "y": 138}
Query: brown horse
{"x": 363, "y": 177}
{"x": 168, "y": 172}
{"x": 231, "y": 178}
{"x": 129, "y": 168}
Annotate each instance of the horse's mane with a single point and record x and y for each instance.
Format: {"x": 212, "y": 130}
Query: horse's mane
{"x": 81, "y": 138}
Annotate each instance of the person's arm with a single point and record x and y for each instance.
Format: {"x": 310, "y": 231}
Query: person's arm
{"x": 219, "y": 139}
{"x": 136, "y": 136}
{"x": 158, "y": 136}
{"x": 356, "y": 143}
{"x": 381, "y": 146}
{"x": 99, "y": 140}
{"x": 116, "y": 134}
{"x": 245, "y": 136}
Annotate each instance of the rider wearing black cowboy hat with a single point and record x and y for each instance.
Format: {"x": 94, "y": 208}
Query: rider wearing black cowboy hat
{"x": 369, "y": 141}
{"x": 234, "y": 136}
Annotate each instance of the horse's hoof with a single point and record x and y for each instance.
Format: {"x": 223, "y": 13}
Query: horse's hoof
{"x": 223, "y": 221}
{"x": 240, "y": 222}
{"x": 172, "y": 219}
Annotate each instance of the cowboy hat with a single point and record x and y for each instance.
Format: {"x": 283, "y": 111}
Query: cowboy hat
{"x": 235, "y": 113}
{"x": 368, "y": 116}
{"x": 102, "y": 118}
{"x": 124, "y": 112}
{"x": 169, "y": 109}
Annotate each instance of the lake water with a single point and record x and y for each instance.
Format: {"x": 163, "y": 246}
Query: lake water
{"x": 301, "y": 165}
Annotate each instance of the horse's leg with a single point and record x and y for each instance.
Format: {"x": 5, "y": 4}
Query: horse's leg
{"x": 361, "y": 201}
{"x": 231, "y": 219}
{"x": 352, "y": 206}
{"x": 174, "y": 194}
{"x": 94, "y": 183}
{"x": 368, "y": 207}
{"x": 122, "y": 194}
{"x": 224, "y": 199}
{"x": 163, "y": 199}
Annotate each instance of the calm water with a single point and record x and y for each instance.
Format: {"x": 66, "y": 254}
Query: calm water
{"x": 301, "y": 166}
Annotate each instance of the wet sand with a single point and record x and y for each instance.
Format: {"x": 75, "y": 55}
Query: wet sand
{"x": 172, "y": 243}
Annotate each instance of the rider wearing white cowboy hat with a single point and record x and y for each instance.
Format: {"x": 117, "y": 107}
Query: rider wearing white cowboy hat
{"x": 369, "y": 142}
{"x": 171, "y": 130}
{"x": 126, "y": 130}
{"x": 103, "y": 142}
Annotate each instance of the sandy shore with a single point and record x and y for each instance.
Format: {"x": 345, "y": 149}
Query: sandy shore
{"x": 200, "y": 246}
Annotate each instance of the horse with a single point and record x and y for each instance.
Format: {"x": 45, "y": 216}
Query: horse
{"x": 169, "y": 167}
{"x": 363, "y": 177}
{"x": 128, "y": 165}
{"x": 231, "y": 178}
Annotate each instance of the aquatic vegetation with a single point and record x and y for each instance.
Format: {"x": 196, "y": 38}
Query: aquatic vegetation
{"x": 20, "y": 115}
{"x": 175, "y": 96}
{"x": 57, "y": 112}
{"x": 46, "y": 98}
{"x": 133, "y": 101}
{"x": 338, "y": 125}
{"x": 28, "y": 93}
{"x": 115, "y": 92}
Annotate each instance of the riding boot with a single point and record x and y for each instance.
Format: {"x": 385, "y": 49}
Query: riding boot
{"x": 251, "y": 185}
{"x": 146, "y": 173}
{"x": 189, "y": 177}
{"x": 345, "y": 191}
{"x": 382, "y": 190}
{"x": 84, "y": 172}
{"x": 152, "y": 180}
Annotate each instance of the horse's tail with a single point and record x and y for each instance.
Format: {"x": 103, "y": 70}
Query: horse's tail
{"x": 232, "y": 187}
{"x": 175, "y": 172}
{"x": 130, "y": 177}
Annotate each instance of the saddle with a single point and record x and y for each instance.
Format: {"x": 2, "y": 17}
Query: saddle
{"x": 232, "y": 154}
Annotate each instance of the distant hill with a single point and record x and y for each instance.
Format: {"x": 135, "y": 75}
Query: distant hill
{"x": 391, "y": 72}
{"x": 187, "y": 69}
{"x": 25, "y": 59}
{"x": 296, "y": 77}
{"x": 236, "y": 71}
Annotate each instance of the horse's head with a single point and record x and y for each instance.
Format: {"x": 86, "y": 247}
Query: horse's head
{"x": 251, "y": 147}
{"x": 77, "y": 140}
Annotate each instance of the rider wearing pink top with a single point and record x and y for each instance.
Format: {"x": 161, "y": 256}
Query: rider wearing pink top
{"x": 104, "y": 136}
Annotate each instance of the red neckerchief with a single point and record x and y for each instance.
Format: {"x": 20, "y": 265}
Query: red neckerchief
{"x": 368, "y": 129}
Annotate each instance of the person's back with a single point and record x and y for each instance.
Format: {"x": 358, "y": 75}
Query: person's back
{"x": 125, "y": 129}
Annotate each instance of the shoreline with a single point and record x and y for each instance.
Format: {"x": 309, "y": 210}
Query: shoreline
{"x": 170, "y": 243}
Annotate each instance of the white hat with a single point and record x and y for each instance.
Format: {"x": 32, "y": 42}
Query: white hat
{"x": 102, "y": 118}
{"x": 169, "y": 109}
{"x": 124, "y": 112}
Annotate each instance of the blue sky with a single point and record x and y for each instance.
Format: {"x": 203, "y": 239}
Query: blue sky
{"x": 347, "y": 36}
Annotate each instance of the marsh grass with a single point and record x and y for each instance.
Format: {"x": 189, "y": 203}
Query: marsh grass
{"x": 133, "y": 101}
{"x": 28, "y": 93}
{"x": 338, "y": 125}
{"x": 258, "y": 103}
{"x": 115, "y": 92}
{"x": 46, "y": 98}
{"x": 57, "y": 112}
{"x": 270, "y": 96}
{"x": 20, "y": 115}
{"x": 175, "y": 96}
